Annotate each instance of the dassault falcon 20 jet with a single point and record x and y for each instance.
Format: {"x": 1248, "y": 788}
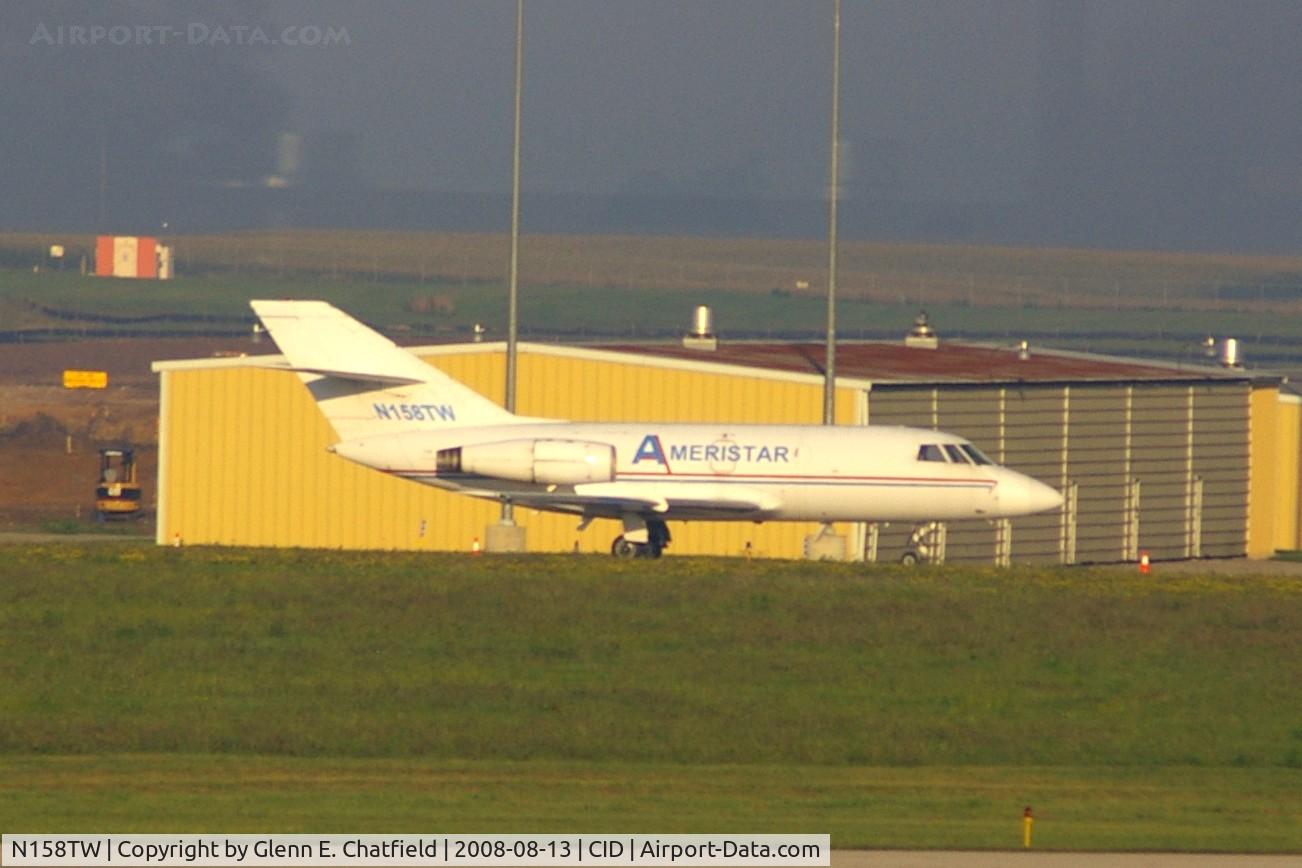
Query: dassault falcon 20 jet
{"x": 398, "y": 415}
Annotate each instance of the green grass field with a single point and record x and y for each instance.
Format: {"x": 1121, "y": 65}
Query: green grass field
{"x": 576, "y": 312}
{"x": 591, "y": 287}
{"x": 283, "y": 691}
{"x": 1078, "y": 808}
{"x": 981, "y": 275}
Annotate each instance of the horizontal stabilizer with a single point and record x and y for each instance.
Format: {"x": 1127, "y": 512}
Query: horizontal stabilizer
{"x": 354, "y": 375}
{"x": 316, "y": 337}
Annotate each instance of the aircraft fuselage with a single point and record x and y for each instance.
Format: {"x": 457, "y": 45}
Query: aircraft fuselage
{"x": 680, "y": 471}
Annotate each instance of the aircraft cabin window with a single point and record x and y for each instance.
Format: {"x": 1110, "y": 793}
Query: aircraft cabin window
{"x": 978, "y": 457}
{"x": 955, "y": 454}
{"x": 930, "y": 452}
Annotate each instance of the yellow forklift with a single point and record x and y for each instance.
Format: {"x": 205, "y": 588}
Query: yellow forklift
{"x": 118, "y": 492}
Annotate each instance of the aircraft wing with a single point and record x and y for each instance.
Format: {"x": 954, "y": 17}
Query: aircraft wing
{"x": 662, "y": 501}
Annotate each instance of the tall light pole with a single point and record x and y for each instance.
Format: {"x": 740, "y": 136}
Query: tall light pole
{"x": 103, "y": 184}
{"x": 829, "y": 384}
{"x": 513, "y": 281}
{"x": 512, "y": 322}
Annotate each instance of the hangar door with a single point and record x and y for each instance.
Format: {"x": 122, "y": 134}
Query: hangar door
{"x": 1160, "y": 467}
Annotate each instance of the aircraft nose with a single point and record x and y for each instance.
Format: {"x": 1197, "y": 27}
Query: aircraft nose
{"x": 1041, "y": 497}
{"x": 1022, "y": 495}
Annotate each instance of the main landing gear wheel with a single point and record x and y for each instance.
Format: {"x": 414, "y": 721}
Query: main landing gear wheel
{"x": 625, "y": 548}
{"x": 622, "y": 548}
{"x": 656, "y": 534}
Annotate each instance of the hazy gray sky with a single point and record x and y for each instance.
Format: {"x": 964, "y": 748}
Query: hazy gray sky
{"x": 1060, "y": 115}
{"x": 726, "y": 93}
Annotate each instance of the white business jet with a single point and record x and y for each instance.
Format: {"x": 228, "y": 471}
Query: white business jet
{"x": 396, "y": 414}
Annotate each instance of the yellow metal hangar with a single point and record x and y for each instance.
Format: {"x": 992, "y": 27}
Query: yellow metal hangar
{"x": 1177, "y": 461}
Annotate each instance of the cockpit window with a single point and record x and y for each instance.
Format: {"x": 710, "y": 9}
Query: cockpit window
{"x": 955, "y": 454}
{"x": 978, "y": 457}
{"x": 930, "y": 452}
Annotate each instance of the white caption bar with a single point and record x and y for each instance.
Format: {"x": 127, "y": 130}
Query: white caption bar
{"x": 293, "y": 851}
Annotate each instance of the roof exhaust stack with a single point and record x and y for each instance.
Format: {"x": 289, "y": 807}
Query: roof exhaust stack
{"x": 1230, "y": 355}
{"x": 702, "y": 336}
{"x": 921, "y": 335}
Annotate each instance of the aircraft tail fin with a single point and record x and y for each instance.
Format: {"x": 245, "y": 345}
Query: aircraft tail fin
{"x": 364, "y": 383}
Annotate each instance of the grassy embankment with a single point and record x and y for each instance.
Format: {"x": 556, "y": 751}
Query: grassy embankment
{"x": 594, "y": 313}
{"x": 978, "y": 275}
{"x": 613, "y": 286}
{"x": 154, "y": 689}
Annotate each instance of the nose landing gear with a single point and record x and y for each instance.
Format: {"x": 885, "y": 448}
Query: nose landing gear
{"x": 927, "y": 544}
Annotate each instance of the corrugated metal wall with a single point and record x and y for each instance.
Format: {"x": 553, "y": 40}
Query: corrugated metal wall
{"x": 1289, "y": 432}
{"x": 1274, "y": 460}
{"x": 244, "y": 460}
{"x": 1219, "y": 461}
{"x": 1162, "y": 468}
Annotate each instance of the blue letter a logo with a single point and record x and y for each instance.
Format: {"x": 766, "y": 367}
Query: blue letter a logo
{"x": 650, "y": 449}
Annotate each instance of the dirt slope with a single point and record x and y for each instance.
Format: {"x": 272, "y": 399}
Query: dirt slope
{"x": 50, "y": 436}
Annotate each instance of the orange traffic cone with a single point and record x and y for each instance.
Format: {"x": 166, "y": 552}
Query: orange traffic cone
{"x": 1143, "y": 563}
{"x": 475, "y": 548}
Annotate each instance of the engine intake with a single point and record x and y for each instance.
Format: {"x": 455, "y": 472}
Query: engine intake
{"x": 548, "y": 462}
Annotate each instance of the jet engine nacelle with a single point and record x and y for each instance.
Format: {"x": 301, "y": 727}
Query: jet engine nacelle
{"x": 549, "y": 462}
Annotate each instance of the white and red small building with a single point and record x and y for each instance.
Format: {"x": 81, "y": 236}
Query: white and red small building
{"x": 132, "y": 256}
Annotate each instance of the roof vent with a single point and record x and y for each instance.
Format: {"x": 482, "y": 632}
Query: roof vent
{"x": 1230, "y": 356}
{"x": 702, "y": 336}
{"x": 921, "y": 335}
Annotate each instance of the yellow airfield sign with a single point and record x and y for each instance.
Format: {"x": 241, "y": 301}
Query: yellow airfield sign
{"x": 85, "y": 379}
